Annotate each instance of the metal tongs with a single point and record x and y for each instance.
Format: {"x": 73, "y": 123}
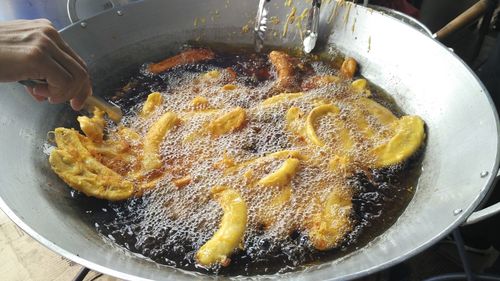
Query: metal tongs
{"x": 312, "y": 26}
{"x": 113, "y": 111}
{"x": 260, "y": 27}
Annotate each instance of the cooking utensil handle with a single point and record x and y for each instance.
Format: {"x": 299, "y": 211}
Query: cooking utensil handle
{"x": 71, "y": 9}
{"x": 114, "y": 112}
{"x": 472, "y": 14}
{"x": 260, "y": 27}
{"x": 312, "y": 27}
{"x": 485, "y": 213}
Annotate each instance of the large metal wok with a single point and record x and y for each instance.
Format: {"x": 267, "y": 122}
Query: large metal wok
{"x": 424, "y": 77}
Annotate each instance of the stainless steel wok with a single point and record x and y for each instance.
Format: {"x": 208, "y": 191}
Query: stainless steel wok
{"x": 425, "y": 78}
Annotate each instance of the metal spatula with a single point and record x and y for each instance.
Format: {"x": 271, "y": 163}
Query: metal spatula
{"x": 113, "y": 111}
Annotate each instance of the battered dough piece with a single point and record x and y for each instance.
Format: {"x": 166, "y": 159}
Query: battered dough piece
{"x": 345, "y": 142}
{"x": 283, "y": 175}
{"x": 230, "y": 234}
{"x": 153, "y": 101}
{"x": 408, "y": 138}
{"x": 227, "y": 123}
{"x": 269, "y": 212}
{"x": 285, "y": 65}
{"x": 278, "y": 99}
{"x": 396, "y": 139}
{"x": 360, "y": 86}
{"x": 319, "y": 81}
{"x": 348, "y": 68}
{"x": 72, "y": 162}
{"x": 330, "y": 225}
{"x": 186, "y": 57}
{"x": 151, "y": 159}
{"x": 93, "y": 127}
{"x": 119, "y": 152}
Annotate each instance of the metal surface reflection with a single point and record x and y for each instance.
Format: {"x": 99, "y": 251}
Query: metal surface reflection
{"x": 54, "y": 10}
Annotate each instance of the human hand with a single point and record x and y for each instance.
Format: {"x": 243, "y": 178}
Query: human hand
{"x": 33, "y": 49}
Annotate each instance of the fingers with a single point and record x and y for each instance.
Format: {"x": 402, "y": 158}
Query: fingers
{"x": 63, "y": 69}
{"x": 53, "y": 34}
{"x": 29, "y": 90}
{"x": 78, "y": 102}
{"x": 65, "y": 56}
{"x": 39, "y": 98}
{"x": 33, "y": 49}
{"x": 41, "y": 91}
{"x": 36, "y": 97}
{"x": 79, "y": 87}
{"x": 43, "y": 66}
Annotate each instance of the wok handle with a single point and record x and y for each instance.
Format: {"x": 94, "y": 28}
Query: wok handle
{"x": 71, "y": 10}
{"x": 472, "y": 14}
{"x": 485, "y": 213}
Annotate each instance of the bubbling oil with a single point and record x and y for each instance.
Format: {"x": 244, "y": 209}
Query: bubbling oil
{"x": 168, "y": 224}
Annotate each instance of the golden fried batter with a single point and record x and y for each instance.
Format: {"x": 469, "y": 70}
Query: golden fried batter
{"x": 186, "y": 57}
{"x": 151, "y": 159}
{"x": 73, "y": 163}
{"x": 286, "y": 67}
{"x": 280, "y": 161}
{"x": 229, "y": 236}
{"x": 152, "y": 103}
{"x": 227, "y": 123}
{"x": 93, "y": 127}
{"x": 349, "y": 68}
{"x": 329, "y": 226}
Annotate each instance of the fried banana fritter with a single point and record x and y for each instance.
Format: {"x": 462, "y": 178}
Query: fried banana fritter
{"x": 73, "y": 163}
{"x": 230, "y": 234}
{"x": 286, "y": 156}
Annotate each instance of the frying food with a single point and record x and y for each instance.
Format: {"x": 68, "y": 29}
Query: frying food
{"x": 186, "y": 57}
{"x": 287, "y": 69}
{"x": 330, "y": 225}
{"x": 80, "y": 170}
{"x": 151, "y": 158}
{"x": 230, "y": 233}
{"x": 277, "y": 161}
